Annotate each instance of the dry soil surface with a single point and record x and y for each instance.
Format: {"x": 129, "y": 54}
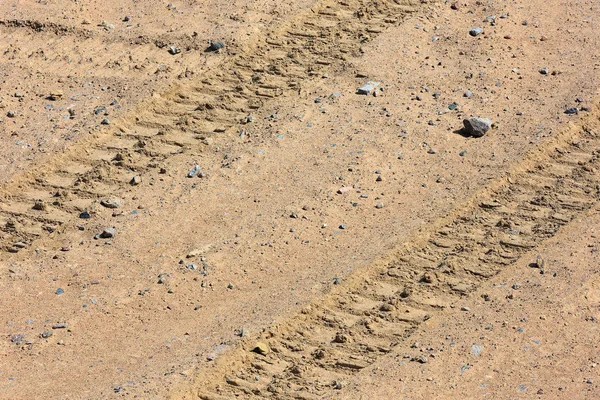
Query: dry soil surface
{"x": 243, "y": 223}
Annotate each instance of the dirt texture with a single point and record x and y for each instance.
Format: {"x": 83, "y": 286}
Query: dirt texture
{"x": 177, "y": 222}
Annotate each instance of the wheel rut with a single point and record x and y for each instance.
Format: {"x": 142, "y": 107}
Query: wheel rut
{"x": 309, "y": 355}
{"x": 217, "y": 106}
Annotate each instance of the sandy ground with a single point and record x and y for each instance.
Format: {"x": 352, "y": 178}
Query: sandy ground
{"x": 535, "y": 336}
{"x": 307, "y": 190}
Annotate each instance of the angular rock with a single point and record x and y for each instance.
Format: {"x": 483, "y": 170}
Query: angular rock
{"x": 368, "y": 88}
{"x": 107, "y": 233}
{"x": 476, "y": 31}
{"x": 477, "y": 127}
{"x": 111, "y": 203}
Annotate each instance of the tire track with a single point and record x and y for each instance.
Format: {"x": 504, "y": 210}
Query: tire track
{"x": 214, "y": 107}
{"x": 364, "y": 318}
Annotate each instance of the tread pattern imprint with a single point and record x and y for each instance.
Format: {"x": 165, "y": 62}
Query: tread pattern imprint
{"x": 46, "y": 202}
{"x": 379, "y": 306}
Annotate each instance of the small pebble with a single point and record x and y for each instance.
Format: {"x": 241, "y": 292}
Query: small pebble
{"x": 215, "y": 46}
{"x": 107, "y": 233}
{"x": 572, "y": 111}
{"x": 476, "y": 31}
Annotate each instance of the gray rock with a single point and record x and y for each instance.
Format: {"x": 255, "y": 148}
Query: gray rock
{"x": 174, "y": 50}
{"x": 193, "y": 171}
{"x": 476, "y": 350}
{"x": 572, "y": 111}
{"x": 544, "y": 71}
{"x": 85, "y": 215}
{"x": 111, "y": 203}
{"x": 107, "y": 233}
{"x": 477, "y": 127}
{"x": 368, "y": 88}
{"x": 215, "y": 46}
{"x": 476, "y": 31}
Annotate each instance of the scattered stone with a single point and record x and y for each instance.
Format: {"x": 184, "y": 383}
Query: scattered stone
{"x": 477, "y": 127}
{"x": 379, "y": 205}
{"x": 111, "y": 203}
{"x": 544, "y": 71}
{"x": 476, "y": 31}
{"x": 85, "y": 215}
{"x": 59, "y": 291}
{"x": 342, "y": 226}
{"x": 379, "y": 178}
{"x": 261, "y": 348}
{"x": 57, "y": 95}
{"x": 476, "y": 350}
{"x": 105, "y": 121}
{"x": 465, "y": 308}
{"x": 136, "y": 180}
{"x": 17, "y": 339}
{"x": 174, "y": 50}
{"x": 230, "y": 285}
{"x": 39, "y": 205}
{"x": 468, "y": 94}
{"x": 215, "y": 46}
{"x": 572, "y": 111}
{"x": 10, "y": 114}
{"x": 539, "y": 262}
{"x": 47, "y": 334}
{"x": 344, "y": 189}
{"x": 427, "y": 278}
{"x": 61, "y": 325}
{"x": 126, "y": 18}
{"x": 368, "y": 88}
{"x": 193, "y": 171}
{"x": 420, "y": 359}
{"x": 108, "y": 233}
